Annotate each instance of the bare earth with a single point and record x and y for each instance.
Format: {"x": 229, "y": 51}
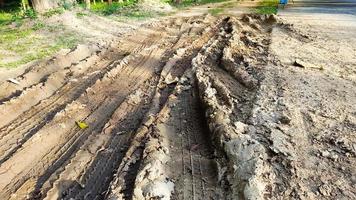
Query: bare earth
{"x": 236, "y": 106}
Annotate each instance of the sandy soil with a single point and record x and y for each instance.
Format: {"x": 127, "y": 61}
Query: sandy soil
{"x": 187, "y": 107}
{"x": 316, "y": 148}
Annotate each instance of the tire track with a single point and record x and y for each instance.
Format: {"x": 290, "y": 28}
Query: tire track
{"x": 122, "y": 78}
{"x": 27, "y": 125}
{"x": 148, "y": 135}
{"x": 35, "y": 73}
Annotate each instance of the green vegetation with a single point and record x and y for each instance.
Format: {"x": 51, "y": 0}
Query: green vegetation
{"x": 186, "y": 3}
{"x": 5, "y": 18}
{"x": 22, "y": 42}
{"x": 52, "y": 12}
{"x": 81, "y": 14}
{"x": 16, "y": 16}
{"x": 25, "y": 45}
{"x": 216, "y": 11}
{"x": 137, "y": 14}
{"x": 120, "y": 10}
{"x": 106, "y": 9}
{"x": 24, "y": 37}
{"x": 268, "y": 7}
{"x": 228, "y": 5}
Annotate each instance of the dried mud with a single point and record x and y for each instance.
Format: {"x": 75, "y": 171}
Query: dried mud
{"x": 185, "y": 108}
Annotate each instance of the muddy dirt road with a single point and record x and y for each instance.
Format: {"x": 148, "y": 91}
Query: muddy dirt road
{"x": 183, "y": 108}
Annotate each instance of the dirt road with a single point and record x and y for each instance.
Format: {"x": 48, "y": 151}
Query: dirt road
{"x": 198, "y": 107}
{"x": 147, "y": 134}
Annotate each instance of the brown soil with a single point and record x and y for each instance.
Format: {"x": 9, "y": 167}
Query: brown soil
{"x": 183, "y": 108}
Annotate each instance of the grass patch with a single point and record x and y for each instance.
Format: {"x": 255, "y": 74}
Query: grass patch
{"x": 187, "y": 3}
{"x": 122, "y": 10}
{"x": 23, "y": 44}
{"x": 34, "y": 48}
{"x": 52, "y": 12}
{"x": 228, "y": 5}
{"x": 81, "y": 14}
{"x": 17, "y": 16}
{"x": 25, "y": 38}
{"x": 5, "y": 18}
{"x": 138, "y": 14}
{"x": 267, "y": 7}
{"x": 106, "y": 9}
{"x": 215, "y": 11}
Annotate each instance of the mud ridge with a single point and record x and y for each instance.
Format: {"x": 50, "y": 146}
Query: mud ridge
{"x": 226, "y": 94}
{"x": 168, "y": 108}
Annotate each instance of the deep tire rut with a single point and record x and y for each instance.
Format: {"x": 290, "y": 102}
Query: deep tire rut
{"x": 152, "y": 129}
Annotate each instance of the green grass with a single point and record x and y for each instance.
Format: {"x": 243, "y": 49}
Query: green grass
{"x": 16, "y": 15}
{"x": 121, "y": 10}
{"x": 81, "y": 14}
{"x": 267, "y": 7}
{"x": 215, "y": 11}
{"x": 138, "y": 14}
{"x": 5, "y": 18}
{"x": 27, "y": 42}
{"x": 53, "y": 12}
{"x": 186, "y": 3}
{"x": 228, "y": 5}
{"x": 106, "y": 9}
{"x": 33, "y": 48}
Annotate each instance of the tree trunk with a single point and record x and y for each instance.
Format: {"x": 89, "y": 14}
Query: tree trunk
{"x": 87, "y": 4}
{"x": 110, "y": 2}
{"x": 44, "y": 5}
{"x": 24, "y": 5}
{"x": 2, "y": 3}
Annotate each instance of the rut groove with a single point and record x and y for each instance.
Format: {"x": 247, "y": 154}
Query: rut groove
{"x": 154, "y": 130}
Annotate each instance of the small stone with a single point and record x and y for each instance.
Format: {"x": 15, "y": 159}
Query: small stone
{"x": 284, "y": 119}
{"x": 183, "y": 79}
{"x": 303, "y": 64}
{"x": 325, "y": 190}
{"x": 272, "y": 19}
{"x": 334, "y": 156}
{"x": 13, "y": 81}
{"x": 169, "y": 79}
{"x": 325, "y": 154}
{"x": 240, "y": 127}
{"x": 74, "y": 80}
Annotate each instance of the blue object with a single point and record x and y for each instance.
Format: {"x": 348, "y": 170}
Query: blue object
{"x": 283, "y": 1}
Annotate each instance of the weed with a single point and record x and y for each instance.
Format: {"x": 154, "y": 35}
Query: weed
{"x": 66, "y": 5}
{"x": 9, "y": 35}
{"x": 52, "y": 12}
{"x": 186, "y": 3}
{"x": 30, "y": 13}
{"x": 115, "y": 7}
{"x": 38, "y": 25}
{"x": 54, "y": 28}
{"x": 228, "y": 5}
{"x": 215, "y": 11}
{"x": 81, "y": 14}
{"x": 68, "y": 40}
{"x": 267, "y": 7}
{"x": 23, "y": 45}
{"x": 16, "y": 16}
{"x": 5, "y": 18}
{"x": 137, "y": 14}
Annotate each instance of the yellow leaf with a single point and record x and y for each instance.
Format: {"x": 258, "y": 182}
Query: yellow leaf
{"x": 81, "y": 125}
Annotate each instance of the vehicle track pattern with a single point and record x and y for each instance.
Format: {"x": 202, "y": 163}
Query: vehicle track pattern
{"x": 159, "y": 105}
